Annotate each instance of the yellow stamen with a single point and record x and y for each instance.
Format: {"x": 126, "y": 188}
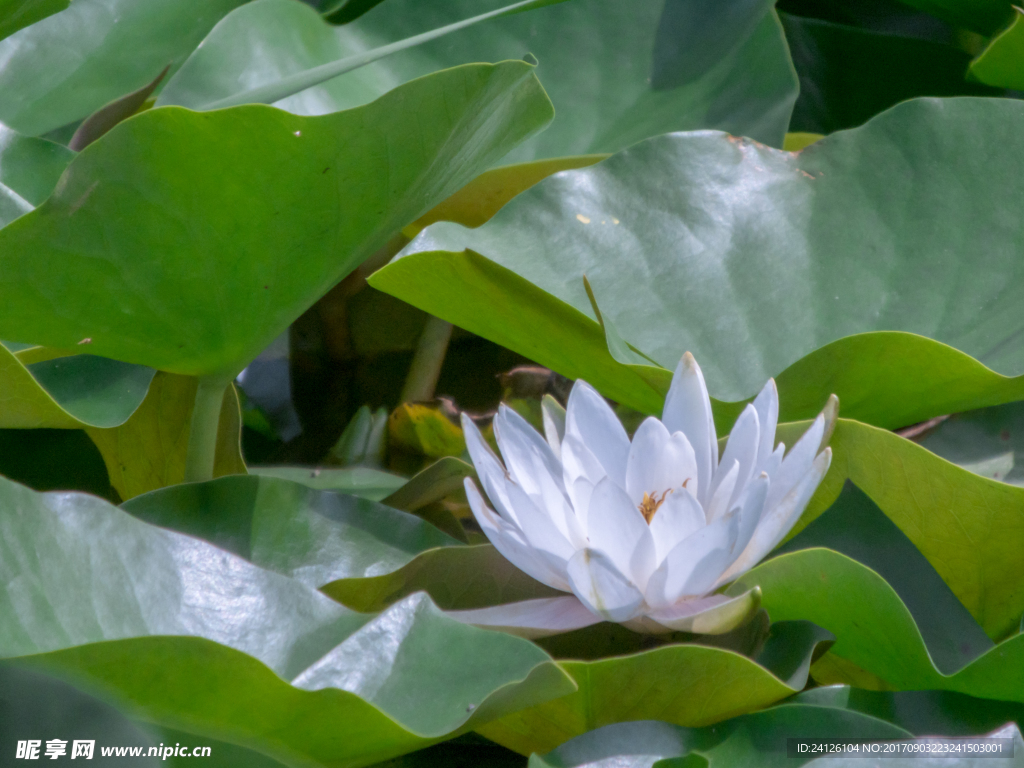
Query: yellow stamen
{"x": 651, "y": 503}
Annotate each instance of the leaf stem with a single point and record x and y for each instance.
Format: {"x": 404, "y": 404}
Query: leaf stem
{"x": 202, "y": 436}
{"x": 427, "y": 361}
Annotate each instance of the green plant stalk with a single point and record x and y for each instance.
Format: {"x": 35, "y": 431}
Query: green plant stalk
{"x": 427, "y": 361}
{"x": 202, "y": 436}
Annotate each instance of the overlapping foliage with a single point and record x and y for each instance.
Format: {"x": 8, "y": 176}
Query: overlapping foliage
{"x": 617, "y": 184}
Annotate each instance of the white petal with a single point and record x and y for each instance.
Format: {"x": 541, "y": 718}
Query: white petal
{"x": 527, "y": 455}
{"x": 718, "y": 505}
{"x": 696, "y": 560}
{"x": 539, "y": 530}
{"x": 777, "y": 521}
{"x": 618, "y": 529}
{"x": 510, "y": 542}
{"x": 706, "y": 573}
{"x": 659, "y": 461}
{"x": 578, "y": 461}
{"x": 579, "y": 494}
{"x": 688, "y": 410}
{"x": 796, "y": 463}
{"x": 602, "y": 588}
{"x": 581, "y": 471}
{"x": 489, "y": 469}
{"x": 712, "y": 615}
{"x": 678, "y": 517}
{"x": 767, "y": 406}
{"x": 535, "y": 469}
{"x": 531, "y": 618}
{"x": 751, "y": 506}
{"x": 742, "y": 449}
{"x": 554, "y": 424}
{"x": 590, "y": 419}
{"x": 771, "y": 466}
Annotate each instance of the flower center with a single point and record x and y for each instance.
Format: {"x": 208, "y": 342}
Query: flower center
{"x": 652, "y": 501}
{"x": 650, "y": 504}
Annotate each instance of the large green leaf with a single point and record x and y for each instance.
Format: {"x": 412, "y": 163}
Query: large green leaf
{"x": 688, "y": 685}
{"x": 912, "y": 377}
{"x": 1002, "y": 62}
{"x": 67, "y": 66}
{"x": 456, "y": 578}
{"x": 616, "y": 73}
{"x": 29, "y": 169}
{"x": 756, "y": 739}
{"x": 968, "y": 527}
{"x": 278, "y": 89}
{"x": 313, "y": 536}
{"x": 31, "y": 166}
{"x": 37, "y": 706}
{"x": 849, "y": 75}
{"x": 989, "y": 441}
{"x": 854, "y": 526}
{"x": 69, "y": 392}
{"x": 752, "y": 258}
{"x": 368, "y": 483}
{"x": 873, "y": 627}
{"x": 16, "y": 14}
{"x": 181, "y": 633}
{"x": 246, "y": 216}
{"x": 12, "y": 205}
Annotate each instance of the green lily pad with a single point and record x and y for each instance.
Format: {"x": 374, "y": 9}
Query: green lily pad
{"x": 767, "y": 283}
{"x": 849, "y": 75}
{"x": 485, "y": 195}
{"x": 873, "y": 627}
{"x": 70, "y": 64}
{"x": 443, "y": 477}
{"x": 373, "y": 484}
{"x": 180, "y": 633}
{"x": 616, "y": 73}
{"x": 70, "y": 392}
{"x": 755, "y": 739}
{"x": 29, "y": 169}
{"x": 1002, "y": 62}
{"x": 40, "y": 707}
{"x": 12, "y": 205}
{"x": 30, "y": 166}
{"x": 689, "y": 685}
{"x": 969, "y": 528}
{"x": 375, "y": 163}
{"x": 988, "y": 442}
{"x": 854, "y": 526}
{"x": 893, "y": 392}
{"x": 312, "y": 536}
{"x": 455, "y": 577}
{"x": 148, "y": 451}
{"x": 17, "y": 14}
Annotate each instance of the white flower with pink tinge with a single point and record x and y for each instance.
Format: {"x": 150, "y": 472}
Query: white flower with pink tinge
{"x": 644, "y": 533}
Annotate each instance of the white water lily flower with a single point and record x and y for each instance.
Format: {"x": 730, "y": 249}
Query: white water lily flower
{"x": 645, "y": 532}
